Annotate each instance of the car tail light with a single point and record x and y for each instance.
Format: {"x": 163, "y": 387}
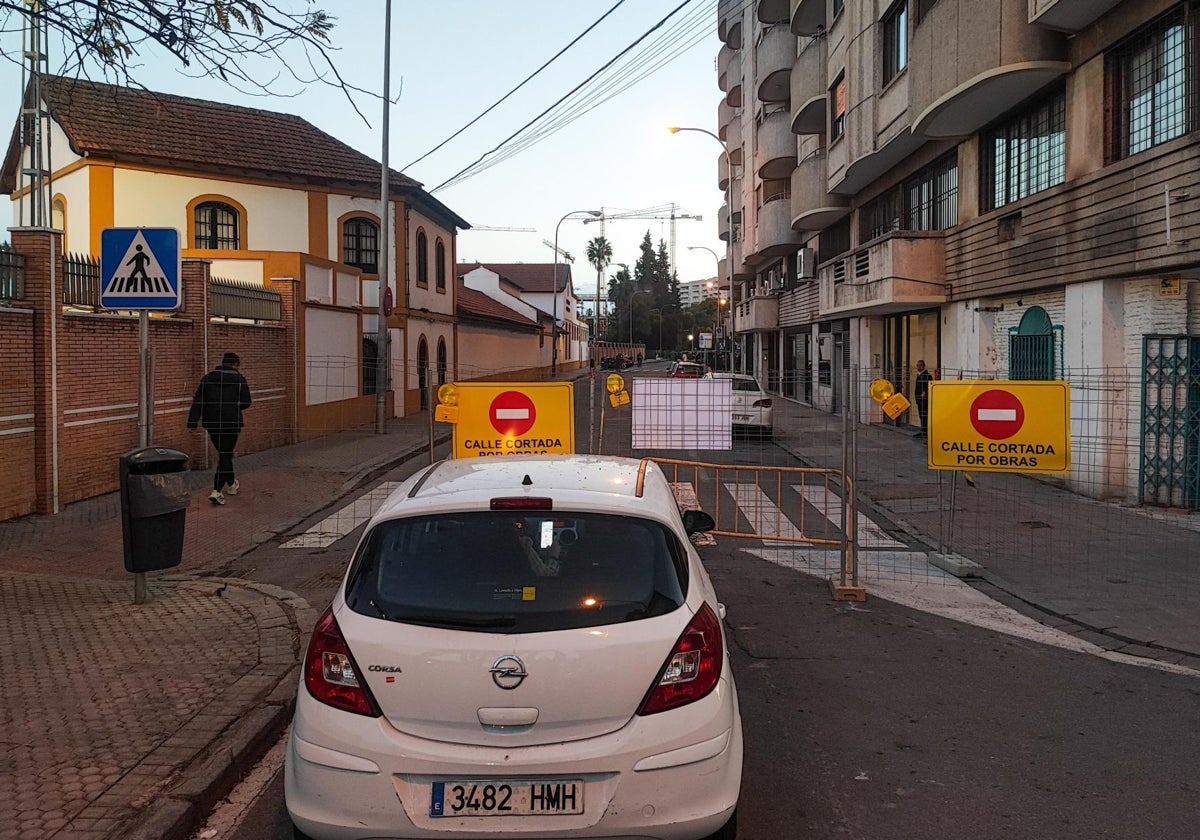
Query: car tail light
{"x": 330, "y": 673}
{"x": 762, "y": 403}
{"x": 692, "y": 669}
{"x": 522, "y": 503}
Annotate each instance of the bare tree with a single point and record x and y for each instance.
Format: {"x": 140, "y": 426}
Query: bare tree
{"x": 222, "y": 38}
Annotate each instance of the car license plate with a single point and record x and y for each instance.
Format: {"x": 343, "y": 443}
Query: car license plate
{"x": 741, "y": 417}
{"x": 495, "y": 798}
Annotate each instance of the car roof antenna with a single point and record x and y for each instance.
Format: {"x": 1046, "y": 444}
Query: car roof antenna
{"x": 527, "y": 481}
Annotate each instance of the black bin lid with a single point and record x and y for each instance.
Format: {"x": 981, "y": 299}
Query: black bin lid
{"x": 153, "y": 455}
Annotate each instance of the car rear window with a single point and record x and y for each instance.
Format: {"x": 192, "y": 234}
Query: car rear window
{"x": 517, "y": 571}
{"x": 689, "y": 369}
{"x": 745, "y": 385}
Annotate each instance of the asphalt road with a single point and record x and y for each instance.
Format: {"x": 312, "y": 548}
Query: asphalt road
{"x": 877, "y": 721}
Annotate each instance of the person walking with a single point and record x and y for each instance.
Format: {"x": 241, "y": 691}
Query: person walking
{"x": 921, "y": 395}
{"x": 220, "y": 399}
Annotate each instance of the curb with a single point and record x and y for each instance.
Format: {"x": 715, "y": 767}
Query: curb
{"x": 179, "y": 811}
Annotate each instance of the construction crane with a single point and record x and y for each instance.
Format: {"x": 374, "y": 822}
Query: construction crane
{"x": 505, "y": 229}
{"x": 562, "y": 252}
{"x": 665, "y": 211}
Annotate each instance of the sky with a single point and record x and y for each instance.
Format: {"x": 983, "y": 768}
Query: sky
{"x": 452, "y": 59}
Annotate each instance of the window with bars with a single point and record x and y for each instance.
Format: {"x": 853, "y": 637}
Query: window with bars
{"x": 422, "y": 259}
{"x": 834, "y": 240}
{"x": 439, "y": 255}
{"x": 926, "y": 200}
{"x": 837, "y": 107}
{"x": 360, "y": 244}
{"x": 1026, "y": 154}
{"x": 216, "y": 226}
{"x": 1153, "y": 83}
{"x": 895, "y": 41}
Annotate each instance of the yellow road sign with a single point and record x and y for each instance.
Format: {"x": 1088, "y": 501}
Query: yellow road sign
{"x": 513, "y": 418}
{"x": 987, "y": 426}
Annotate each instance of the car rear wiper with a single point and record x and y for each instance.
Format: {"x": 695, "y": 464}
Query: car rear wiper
{"x": 444, "y": 620}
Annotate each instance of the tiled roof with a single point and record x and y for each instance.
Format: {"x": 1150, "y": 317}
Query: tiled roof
{"x": 144, "y": 126}
{"x": 529, "y": 277}
{"x": 475, "y": 303}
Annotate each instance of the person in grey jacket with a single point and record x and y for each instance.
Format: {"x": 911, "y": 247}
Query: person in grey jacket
{"x": 220, "y": 399}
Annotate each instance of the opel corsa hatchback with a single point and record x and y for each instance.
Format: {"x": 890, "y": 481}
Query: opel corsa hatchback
{"x": 752, "y": 406}
{"x": 522, "y": 647}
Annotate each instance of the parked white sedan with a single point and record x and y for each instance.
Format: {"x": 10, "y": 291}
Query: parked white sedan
{"x": 521, "y": 647}
{"x": 752, "y": 406}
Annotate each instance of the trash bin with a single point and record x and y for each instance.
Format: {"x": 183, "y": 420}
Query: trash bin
{"x": 154, "y": 501}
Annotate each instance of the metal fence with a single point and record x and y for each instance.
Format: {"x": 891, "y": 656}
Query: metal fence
{"x": 241, "y": 300}
{"x": 12, "y": 273}
{"x": 81, "y": 281}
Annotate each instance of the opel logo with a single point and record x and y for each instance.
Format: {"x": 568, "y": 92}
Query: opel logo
{"x": 508, "y": 672}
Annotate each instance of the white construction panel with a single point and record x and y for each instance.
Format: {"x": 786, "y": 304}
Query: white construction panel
{"x": 682, "y": 413}
{"x": 332, "y": 346}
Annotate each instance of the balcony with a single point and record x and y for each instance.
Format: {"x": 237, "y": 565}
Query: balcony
{"x": 773, "y": 11}
{"x": 775, "y": 234}
{"x": 723, "y": 59}
{"x": 810, "y": 88}
{"x": 722, "y": 172}
{"x": 733, "y": 95}
{"x": 808, "y": 17}
{"x": 726, "y": 114}
{"x": 757, "y": 314}
{"x": 813, "y": 206}
{"x": 775, "y": 152}
{"x": 733, "y": 142}
{"x": 775, "y": 54}
{"x": 1068, "y": 15}
{"x": 741, "y": 271}
{"x": 902, "y": 271}
{"x": 1008, "y": 62}
{"x": 729, "y": 23}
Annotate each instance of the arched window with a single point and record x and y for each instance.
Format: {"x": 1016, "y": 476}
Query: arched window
{"x": 216, "y": 226}
{"x": 360, "y": 244}
{"x": 422, "y": 259}
{"x": 441, "y": 362}
{"x": 440, "y": 268}
{"x": 423, "y": 371}
{"x": 1031, "y": 346}
{"x": 58, "y": 213}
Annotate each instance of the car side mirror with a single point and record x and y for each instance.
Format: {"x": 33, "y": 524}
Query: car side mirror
{"x": 695, "y": 521}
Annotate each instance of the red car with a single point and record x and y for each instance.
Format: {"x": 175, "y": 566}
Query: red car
{"x": 687, "y": 370}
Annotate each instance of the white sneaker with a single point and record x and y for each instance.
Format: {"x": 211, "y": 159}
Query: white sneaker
{"x": 232, "y": 489}
{"x": 216, "y": 498}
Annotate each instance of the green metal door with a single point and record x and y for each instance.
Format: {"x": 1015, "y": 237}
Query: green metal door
{"x": 1170, "y": 474}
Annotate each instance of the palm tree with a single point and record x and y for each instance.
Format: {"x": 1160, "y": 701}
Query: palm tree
{"x": 599, "y": 254}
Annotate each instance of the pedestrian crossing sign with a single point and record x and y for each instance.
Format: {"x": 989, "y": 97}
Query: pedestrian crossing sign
{"x": 140, "y": 268}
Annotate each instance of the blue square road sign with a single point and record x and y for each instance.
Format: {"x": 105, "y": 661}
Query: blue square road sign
{"x": 140, "y": 268}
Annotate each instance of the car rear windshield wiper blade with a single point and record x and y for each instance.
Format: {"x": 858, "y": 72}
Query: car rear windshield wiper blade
{"x": 451, "y": 620}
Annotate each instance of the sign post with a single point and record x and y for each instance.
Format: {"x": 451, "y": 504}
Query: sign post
{"x": 141, "y": 268}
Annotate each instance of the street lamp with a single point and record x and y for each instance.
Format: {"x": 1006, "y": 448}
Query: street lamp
{"x": 554, "y": 351}
{"x": 675, "y": 129}
{"x": 659, "y": 310}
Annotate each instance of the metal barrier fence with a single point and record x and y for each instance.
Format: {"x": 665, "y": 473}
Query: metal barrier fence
{"x": 81, "y": 281}
{"x": 779, "y": 506}
{"x": 242, "y": 300}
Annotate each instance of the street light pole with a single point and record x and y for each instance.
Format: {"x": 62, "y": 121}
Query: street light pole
{"x": 554, "y": 350}
{"x": 728, "y": 221}
{"x": 660, "y": 310}
{"x": 382, "y": 353}
{"x": 636, "y": 292}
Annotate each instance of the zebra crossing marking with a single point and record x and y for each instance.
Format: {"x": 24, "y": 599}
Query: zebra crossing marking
{"x": 344, "y": 520}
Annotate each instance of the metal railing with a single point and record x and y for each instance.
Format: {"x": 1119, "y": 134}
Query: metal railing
{"x": 12, "y": 273}
{"x": 242, "y": 300}
{"x": 81, "y": 281}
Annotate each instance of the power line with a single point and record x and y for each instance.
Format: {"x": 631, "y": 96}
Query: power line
{"x": 608, "y": 64}
{"x": 527, "y": 79}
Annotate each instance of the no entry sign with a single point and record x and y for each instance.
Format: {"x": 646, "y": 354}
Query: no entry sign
{"x": 997, "y": 414}
{"x": 1000, "y": 426}
{"x": 512, "y": 413}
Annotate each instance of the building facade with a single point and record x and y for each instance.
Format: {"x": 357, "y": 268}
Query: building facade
{"x": 1001, "y": 188}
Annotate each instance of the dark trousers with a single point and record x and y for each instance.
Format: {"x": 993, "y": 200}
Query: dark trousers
{"x": 224, "y": 441}
{"x": 923, "y": 412}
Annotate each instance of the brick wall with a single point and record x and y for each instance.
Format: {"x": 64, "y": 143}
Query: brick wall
{"x": 17, "y": 490}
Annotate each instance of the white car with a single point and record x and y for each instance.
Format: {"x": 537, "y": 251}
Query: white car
{"x": 522, "y": 647}
{"x": 752, "y": 406}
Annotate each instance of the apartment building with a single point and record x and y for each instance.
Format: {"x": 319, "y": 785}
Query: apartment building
{"x": 698, "y": 291}
{"x": 1002, "y": 188}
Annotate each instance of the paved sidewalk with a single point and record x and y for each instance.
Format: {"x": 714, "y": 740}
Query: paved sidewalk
{"x": 1124, "y": 578}
{"x": 124, "y": 721}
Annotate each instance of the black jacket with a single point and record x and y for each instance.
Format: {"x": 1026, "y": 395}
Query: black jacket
{"x": 220, "y": 399}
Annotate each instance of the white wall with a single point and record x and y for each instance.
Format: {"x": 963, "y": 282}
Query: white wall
{"x": 247, "y": 271}
{"x": 429, "y": 298}
{"x": 331, "y": 355}
{"x": 276, "y": 218}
